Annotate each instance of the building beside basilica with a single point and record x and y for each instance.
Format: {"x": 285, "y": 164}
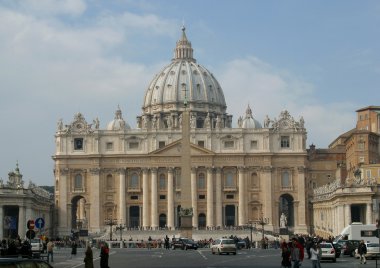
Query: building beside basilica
{"x": 19, "y": 204}
{"x": 348, "y": 173}
{"x": 133, "y": 175}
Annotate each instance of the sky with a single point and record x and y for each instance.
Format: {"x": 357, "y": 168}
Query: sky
{"x": 316, "y": 59}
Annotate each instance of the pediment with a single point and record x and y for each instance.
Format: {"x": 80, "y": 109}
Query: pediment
{"x": 175, "y": 148}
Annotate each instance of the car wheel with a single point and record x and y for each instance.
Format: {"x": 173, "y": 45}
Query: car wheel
{"x": 352, "y": 254}
{"x": 212, "y": 251}
{"x": 185, "y": 247}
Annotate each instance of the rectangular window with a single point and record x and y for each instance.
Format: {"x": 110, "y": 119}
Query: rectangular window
{"x": 368, "y": 173}
{"x": 134, "y": 197}
{"x": 201, "y": 196}
{"x": 285, "y": 142}
{"x": 230, "y": 196}
{"x": 78, "y": 144}
{"x": 133, "y": 145}
{"x": 253, "y": 144}
{"x": 229, "y": 144}
{"x": 162, "y": 197}
{"x": 201, "y": 144}
{"x": 361, "y": 159}
{"x": 109, "y": 146}
{"x": 361, "y": 145}
{"x": 161, "y": 144}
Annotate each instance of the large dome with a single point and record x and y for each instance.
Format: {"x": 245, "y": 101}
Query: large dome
{"x": 185, "y": 81}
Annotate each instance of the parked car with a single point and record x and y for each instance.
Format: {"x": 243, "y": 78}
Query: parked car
{"x": 223, "y": 245}
{"x": 36, "y": 246}
{"x": 23, "y": 263}
{"x": 338, "y": 249}
{"x": 328, "y": 251}
{"x": 348, "y": 246}
{"x": 184, "y": 243}
{"x": 372, "y": 251}
{"x": 241, "y": 244}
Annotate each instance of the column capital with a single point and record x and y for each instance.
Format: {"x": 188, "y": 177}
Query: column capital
{"x": 95, "y": 171}
{"x": 267, "y": 169}
{"x": 171, "y": 169}
{"x": 301, "y": 169}
{"x": 194, "y": 169}
{"x": 218, "y": 170}
{"x": 64, "y": 171}
{"x": 210, "y": 169}
{"x": 241, "y": 168}
{"x": 153, "y": 170}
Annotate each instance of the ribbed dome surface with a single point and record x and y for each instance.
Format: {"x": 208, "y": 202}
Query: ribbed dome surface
{"x": 184, "y": 79}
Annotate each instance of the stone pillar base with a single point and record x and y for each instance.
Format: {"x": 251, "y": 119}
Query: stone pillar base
{"x": 187, "y": 226}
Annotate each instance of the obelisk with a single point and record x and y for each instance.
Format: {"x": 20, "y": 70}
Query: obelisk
{"x": 186, "y": 212}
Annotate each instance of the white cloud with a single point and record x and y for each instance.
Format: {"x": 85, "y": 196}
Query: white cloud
{"x": 269, "y": 91}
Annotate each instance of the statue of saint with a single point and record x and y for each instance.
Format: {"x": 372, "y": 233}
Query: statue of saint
{"x": 283, "y": 221}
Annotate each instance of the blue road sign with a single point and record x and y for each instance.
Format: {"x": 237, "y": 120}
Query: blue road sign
{"x": 39, "y": 223}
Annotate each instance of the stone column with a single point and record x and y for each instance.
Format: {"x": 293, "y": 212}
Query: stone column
{"x": 145, "y": 208}
{"x": 170, "y": 222}
{"x": 194, "y": 198}
{"x": 302, "y": 227}
{"x": 122, "y": 205}
{"x": 242, "y": 204}
{"x": 340, "y": 218}
{"x": 21, "y": 221}
{"x": 369, "y": 214}
{"x": 95, "y": 200}
{"x": 267, "y": 189}
{"x": 210, "y": 199}
{"x": 63, "y": 177}
{"x": 218, "y": 198}
{"x": 154, "y": 205}
{"x": 347, "y": 214}
{"x": 1, "y": 221}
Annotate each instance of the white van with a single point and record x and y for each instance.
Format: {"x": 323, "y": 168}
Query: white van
{"x": 359, "y": 231}
{"x": 37, "y": 246}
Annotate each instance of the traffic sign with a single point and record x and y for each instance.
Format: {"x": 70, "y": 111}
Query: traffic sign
{"x": 40, "y": 223}
{"x": 30, "y": 224}
{"x": 30, "y": 234}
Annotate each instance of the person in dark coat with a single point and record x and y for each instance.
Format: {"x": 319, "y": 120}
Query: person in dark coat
{"x": 362, "y": 250}
{"x": 88, "y": 259}
{"x": 104, "y": 255}
{"x": 74, "y": 247}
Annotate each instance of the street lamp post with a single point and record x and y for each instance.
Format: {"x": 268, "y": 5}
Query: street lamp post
{"x": 262, "y": 221}
{"x": 110, "y": 222}
{"x": 250, "y": 225}
{"x": 120, "y": 228}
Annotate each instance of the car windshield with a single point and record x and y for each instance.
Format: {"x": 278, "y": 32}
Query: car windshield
{"x": 372, "y": 245}
{"x": 228, "y": 242}
{"x": 35, "y": 241}
{"x": 326, "y": 246}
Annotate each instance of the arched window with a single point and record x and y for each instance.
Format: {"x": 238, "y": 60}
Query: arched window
{"x": 134, "y": 181}
{"x": 285, "y": 179}
{"x": 162, "y": 182}
{"x": 78, "y": 182}
{"x": 230, "y": 179}
{"x": 109, "y": 181}
{"x": 254, "y": 180}
{"x": 201, "y": 181}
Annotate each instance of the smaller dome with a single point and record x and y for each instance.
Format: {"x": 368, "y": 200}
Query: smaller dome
{"x": 249, "y": 121}
{"x": 118, "y": 123}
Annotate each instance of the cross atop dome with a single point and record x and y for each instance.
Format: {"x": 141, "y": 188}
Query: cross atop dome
{"x": 183, "y": 48}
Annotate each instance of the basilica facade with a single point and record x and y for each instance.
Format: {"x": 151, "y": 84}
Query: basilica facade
{"x": 239, "y": 175}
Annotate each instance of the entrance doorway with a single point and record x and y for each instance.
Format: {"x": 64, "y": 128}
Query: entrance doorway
{"x": 134, "y": 216}
{"x": 230, "y": 215}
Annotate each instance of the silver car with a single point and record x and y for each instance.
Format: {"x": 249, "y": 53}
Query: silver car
{"x": 328, "y": 251}
{"x": 223, "y": 245}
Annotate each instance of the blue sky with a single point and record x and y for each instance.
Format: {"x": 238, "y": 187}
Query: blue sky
{"x": 316, "y": 59}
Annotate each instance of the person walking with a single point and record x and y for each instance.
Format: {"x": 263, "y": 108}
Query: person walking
{"x": 285, "y": 254}
{"x": 104, "y": 255}
{"x": 50, "y": 248}
{"x": 149, "y": 242}
{"x": 314, "y": 256}
{"x": 88, "y": 258}
{"x": 297, "y": 253}
{"x": 362, "y": 250}
{"x": 74, "y": 247}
